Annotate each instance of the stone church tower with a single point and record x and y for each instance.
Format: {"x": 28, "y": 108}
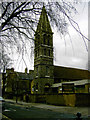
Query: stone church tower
{"x": 43, "y": 60}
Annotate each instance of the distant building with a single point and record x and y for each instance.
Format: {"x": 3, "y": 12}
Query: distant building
{"x": 18, "y": 82}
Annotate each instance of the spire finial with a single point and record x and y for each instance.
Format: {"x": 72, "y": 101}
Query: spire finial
{"x": 43, "y": 5}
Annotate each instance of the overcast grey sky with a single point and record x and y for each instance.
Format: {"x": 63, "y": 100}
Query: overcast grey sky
{"x": 74, "y": 54}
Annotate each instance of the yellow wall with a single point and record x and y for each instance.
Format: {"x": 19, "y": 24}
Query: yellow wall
{"x": 83, "y": 90}
{"x": 78, "y": 90}
{"x": 70, "y": 99}
{"x": 32, "y": 83}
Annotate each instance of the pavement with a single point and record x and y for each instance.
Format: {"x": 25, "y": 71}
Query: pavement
{"x": 62, "y": 109}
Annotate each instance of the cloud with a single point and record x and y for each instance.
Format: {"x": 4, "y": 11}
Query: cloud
{"x": 74, "y": 53}
{"x": 68, "y": 61}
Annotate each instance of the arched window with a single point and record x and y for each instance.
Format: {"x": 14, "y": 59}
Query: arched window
{"x": 47, "y": 70}
{"x": 44, "y": 39}
{"x": 47, "y": 88}
{"x": 48, "y": 40}
{"x": 48, "y": 52}
{"x": 45, "y": 51}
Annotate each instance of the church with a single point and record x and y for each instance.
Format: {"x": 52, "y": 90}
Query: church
{"x": 46, "y": 78}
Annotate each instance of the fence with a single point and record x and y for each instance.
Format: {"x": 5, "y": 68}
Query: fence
{"x": 63, "y": 99}
{"x": 78, "y": 99}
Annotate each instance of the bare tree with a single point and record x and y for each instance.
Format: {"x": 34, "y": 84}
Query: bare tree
{"x": 19, "y": 21}
{"x": 5, "y": 60}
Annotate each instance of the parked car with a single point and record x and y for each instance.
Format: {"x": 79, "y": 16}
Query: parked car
{"x": 2, "y": 103}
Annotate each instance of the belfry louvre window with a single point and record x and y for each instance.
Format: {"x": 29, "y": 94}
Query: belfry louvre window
{"x": 48, "y": 40}
{"x": 48, "y": 52}
{"x": 44, "y": 39}
{"x": 48, "y": 43}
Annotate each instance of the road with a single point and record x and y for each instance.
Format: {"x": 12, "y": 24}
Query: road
{"x": 15, "y": 111}
{"x": 30, "y": 111}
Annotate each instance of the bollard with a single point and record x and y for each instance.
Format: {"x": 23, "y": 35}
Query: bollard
{"x": 78, "y": 116}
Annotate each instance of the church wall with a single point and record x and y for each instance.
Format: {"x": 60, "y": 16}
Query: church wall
{"x": 55, "y": 99}
{"x": 70, "y": 99}
{"x": 82, "y": 99}
{"x": 40, "y": 84}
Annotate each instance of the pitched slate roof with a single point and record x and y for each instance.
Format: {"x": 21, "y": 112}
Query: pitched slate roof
{"x": 79, "y": 82}
{"x": 25, "y": 76}
{"x": 70, "y": 73}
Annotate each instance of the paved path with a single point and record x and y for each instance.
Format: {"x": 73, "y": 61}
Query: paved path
{"x": 62, "y": 109}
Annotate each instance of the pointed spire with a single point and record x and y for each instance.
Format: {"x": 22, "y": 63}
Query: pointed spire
{"x": 43, "y": 4}
{"x": 43, "y": 25}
